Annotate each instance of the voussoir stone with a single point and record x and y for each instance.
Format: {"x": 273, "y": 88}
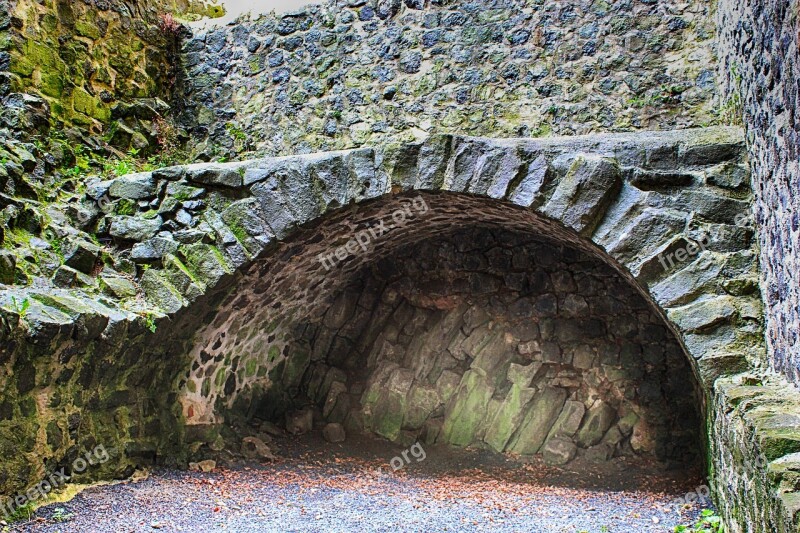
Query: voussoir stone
{"x": 583, "y": 194}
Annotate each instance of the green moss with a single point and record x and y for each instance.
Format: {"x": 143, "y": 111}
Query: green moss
{"x": 251, "y": 367}
{"x": 90, "y": 106}
{"x": 125, "y": 207}
{"x": 273, "y": 353}
{"x": 543, "y": 130}
{"x": 239, "y": 232}
{"x": 87, "y": 28}
{"x": 24, "y": 512}
{"x": 296, "y": 364}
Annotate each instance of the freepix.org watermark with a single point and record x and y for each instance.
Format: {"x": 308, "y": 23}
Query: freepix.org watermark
{"x": 692, "y": 249}
{"x": 362, "y": 240}
{"x": 56, "y": 480}
{"x": 416, "y": 451}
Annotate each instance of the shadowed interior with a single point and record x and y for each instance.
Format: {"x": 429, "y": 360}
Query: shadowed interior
{"x": 447, "y": 327}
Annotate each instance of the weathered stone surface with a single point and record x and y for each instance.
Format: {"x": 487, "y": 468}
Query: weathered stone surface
{"x": 464, "y": 414}
{"x": 81, "y": 255}
{"x": 559, "y": 451}
{"x": 439, "y": 39}
{"x": 300, "y": 422}
{"x": 507, "y": 417}
{"x": 568, "y": 421}
{"x": 134, "y": 187}
{"x": 582, "y": 196}
{"x": 134, "y": 228}
{"x": 704, "y": 314}
{"x": 541, "y": 416}
{"x": 422, "y": 401}
{"x": 161, "y": 293}
{"x": 8, "y": 266}
{"x": 255, "y": 448}
{"x": 215, "y": 176}
{"x": 118, "y": 286}
{"x": 207, "y": 465}
{"x": 334, "y": 433}
{"x": 153, "y": 249}
{"x": 600, "y": 453}
{"x": 597, "y": 421}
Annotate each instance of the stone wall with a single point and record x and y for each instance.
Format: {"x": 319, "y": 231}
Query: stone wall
{"x": 84, "y": 58}
{"x": 755, "y": 451}
{"x": 345, "y": 74}
{"x": 492, "y": 339}
{"x": 760, "y": 66}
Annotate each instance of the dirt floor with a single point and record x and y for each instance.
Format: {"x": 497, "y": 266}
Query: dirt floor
{"x": 352, "y": 486}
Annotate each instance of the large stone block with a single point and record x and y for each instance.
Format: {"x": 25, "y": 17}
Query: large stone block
{"x": 583, "y": 194}
{"x": 542, "y": 414}
{"x": 465, "y": 413}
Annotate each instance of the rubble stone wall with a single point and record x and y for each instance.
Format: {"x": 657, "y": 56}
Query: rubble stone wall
{"x": 504, "y": 341}
{"x": 760, "y": 69}
{"x": 345, "y": 74}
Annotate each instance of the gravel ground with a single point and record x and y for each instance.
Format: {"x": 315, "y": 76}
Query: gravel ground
{"x": 316, "y": 486}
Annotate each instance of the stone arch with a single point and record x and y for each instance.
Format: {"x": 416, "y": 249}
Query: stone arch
{"x": 203, "y": 231}
{"x": 289, "y": 333}
{"x": 668, "y": 210}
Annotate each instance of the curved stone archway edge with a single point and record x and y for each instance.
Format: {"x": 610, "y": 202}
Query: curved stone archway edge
{"x": 670, "y": 210}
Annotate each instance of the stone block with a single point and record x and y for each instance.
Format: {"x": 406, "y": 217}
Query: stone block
{"x": 542, "y": 414}
{"x": 334, "y": 433}
{"x": 582, "y": 196}
{"x": 505, "y": 420}
{"x": 81, "y": 255}
{"x": 559, "y": 451}
{"x": 140, "y": 186}
{"x": 300, "y": 422}
{"x": 597, "y": 421}
{"x": 465, "y": 413}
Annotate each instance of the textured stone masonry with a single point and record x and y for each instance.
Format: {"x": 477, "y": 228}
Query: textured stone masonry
{"x": 346, "y": 74}
{"x": 230, "y": 252}
{"x": 760, "y": 68}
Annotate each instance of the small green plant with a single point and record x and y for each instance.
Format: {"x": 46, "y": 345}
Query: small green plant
{"x": 58, "y": 248}
{"x": 637, "y": 101}
{"x": 73, "y": 172}
{"x": 709, "y": 522}
{"x": 61, "y": 515}
{"x": 150, "y": 323}
{"x": 20, "y": 306}
{"x": 24, "y": 512}
{"x": 122, "y": 167}
{"x": 235, "y": 132}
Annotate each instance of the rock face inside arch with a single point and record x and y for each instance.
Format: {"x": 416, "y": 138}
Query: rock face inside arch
{"x": 487, "y": 338}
